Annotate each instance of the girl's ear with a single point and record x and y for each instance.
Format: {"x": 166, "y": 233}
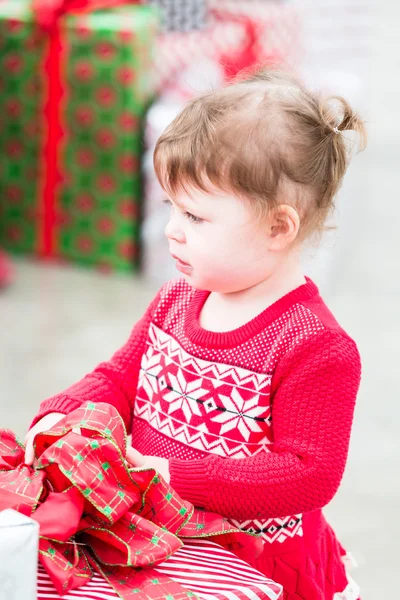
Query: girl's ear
{"x": 283, "y": 224}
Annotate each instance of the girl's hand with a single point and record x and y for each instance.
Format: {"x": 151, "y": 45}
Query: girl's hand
{"x": 161, "y": 465}
{"x": 44, "y": 424}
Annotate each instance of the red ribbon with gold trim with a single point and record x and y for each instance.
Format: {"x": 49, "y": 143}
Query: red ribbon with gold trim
{"x": 48, "y": 14}
{"x": 97, "y": 512}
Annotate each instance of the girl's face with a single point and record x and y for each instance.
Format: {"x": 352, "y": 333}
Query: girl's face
{"x": 217, "y": 241}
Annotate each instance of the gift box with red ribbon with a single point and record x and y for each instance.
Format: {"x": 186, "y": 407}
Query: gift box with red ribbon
{"x": 77, "y": 78}
{"x": 107, "y": 526}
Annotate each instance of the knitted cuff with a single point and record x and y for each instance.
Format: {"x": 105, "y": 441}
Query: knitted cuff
{"x": 189, "y": 478}
{"x": 60, "y": 404}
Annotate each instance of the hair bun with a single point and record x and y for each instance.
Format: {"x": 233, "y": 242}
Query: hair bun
{"x": 337, "y": 116}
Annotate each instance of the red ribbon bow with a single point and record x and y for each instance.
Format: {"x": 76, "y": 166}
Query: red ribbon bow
{"x": 96, "y": 511}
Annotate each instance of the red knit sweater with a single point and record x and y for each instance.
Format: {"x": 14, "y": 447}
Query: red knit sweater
{"x": 255, "y": 422}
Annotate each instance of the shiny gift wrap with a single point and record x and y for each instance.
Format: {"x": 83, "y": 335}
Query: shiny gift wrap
{"x": 98, "y": 514}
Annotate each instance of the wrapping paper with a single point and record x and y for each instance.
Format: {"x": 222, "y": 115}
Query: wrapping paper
{"x": 182, "y": 15}
{"x": 97, "y": 513}
{"x": 19, "y": 537}
{"x": 279, "y": 35}
{"x": 200, "y": 566}
{"x": 238, "y": 34}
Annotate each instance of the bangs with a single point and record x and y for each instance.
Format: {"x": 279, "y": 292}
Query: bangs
{"x": 222, "y": 140}
{"x": 187, "y": 152}
{"x": 179, "y": 167}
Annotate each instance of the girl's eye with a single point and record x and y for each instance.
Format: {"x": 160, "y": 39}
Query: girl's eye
{"x": 186, "y": 214}
{"x": 192, "y": 218}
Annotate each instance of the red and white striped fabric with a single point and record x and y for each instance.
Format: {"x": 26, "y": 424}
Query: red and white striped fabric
{"x": 201, "y": 566}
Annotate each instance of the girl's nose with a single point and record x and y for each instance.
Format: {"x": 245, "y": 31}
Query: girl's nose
{"x": 174, "y": 231}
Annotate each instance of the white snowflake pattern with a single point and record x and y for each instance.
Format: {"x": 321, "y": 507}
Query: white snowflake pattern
{"x": 239, "y": 414}
{"x": 184, "y": 395}
{"x": 150, "y": 369}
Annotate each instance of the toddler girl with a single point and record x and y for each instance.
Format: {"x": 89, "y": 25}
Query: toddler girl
{"x": 238, "y": 384}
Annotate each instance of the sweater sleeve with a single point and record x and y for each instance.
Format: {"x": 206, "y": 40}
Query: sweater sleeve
{"x": 114, "y": 381}
{"x": 314, "y": 390}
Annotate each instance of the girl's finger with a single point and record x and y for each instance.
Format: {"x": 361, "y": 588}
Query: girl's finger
{"x": 29, "y": 455}
{"x": 134, "y": 457}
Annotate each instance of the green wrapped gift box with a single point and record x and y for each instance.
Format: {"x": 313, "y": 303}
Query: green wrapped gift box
{"x": 72, "y": 102}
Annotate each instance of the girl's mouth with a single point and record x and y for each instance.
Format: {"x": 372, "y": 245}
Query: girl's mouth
{"x": 181, "y": 265}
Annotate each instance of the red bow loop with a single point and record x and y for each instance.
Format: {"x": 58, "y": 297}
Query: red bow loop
{"x": 125, "y": 544}
{"x": 11, "y": 450}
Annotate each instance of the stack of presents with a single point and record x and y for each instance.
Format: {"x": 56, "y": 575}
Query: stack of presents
{"x": 86, "y": 88}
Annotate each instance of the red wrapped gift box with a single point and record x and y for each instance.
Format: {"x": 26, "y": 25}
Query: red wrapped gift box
{"x": 201, "y": 566}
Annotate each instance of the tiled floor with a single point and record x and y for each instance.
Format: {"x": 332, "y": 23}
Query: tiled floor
{"x": 57, "y": 323}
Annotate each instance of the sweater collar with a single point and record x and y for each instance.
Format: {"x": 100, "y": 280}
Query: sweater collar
{"x": 229, "y": 339}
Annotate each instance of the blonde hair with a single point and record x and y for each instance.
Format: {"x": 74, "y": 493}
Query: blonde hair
{"x": 265, "y": 138}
